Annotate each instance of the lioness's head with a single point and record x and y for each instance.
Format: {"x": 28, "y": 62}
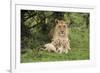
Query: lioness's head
{"x": 61, "y": 28}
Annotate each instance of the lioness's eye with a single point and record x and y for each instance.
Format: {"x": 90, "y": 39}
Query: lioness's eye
{"x": 64, "y": 26}
{"x": 59, "y": 26}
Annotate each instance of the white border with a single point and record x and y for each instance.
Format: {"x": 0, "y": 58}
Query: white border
{"x": 15, "y": 59}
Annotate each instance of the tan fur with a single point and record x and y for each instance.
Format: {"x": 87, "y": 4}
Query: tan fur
{"x": 60, "y": 30}
{"x": 60, "y": 37}
{"x": 50, "y": 47}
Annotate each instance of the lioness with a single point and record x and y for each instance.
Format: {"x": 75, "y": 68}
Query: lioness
{"x": 60, "y": 35}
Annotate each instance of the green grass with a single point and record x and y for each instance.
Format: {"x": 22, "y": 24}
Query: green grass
{"x": 79, "y": 41}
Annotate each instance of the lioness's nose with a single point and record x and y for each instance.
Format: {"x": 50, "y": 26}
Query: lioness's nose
{"x": 62, "y": 32}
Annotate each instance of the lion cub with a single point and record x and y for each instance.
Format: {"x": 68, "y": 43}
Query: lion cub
{"x": 50, "y": 47}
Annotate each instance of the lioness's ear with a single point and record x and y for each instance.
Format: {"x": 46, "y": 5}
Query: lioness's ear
{"x": 67, "y": 24}
{"x": 56, "y": 21}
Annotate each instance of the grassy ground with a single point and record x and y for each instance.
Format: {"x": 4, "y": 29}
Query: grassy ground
{"x": 79, "y": 40}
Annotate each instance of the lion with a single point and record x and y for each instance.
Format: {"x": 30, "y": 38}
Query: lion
{"x": 60, "y": 35}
